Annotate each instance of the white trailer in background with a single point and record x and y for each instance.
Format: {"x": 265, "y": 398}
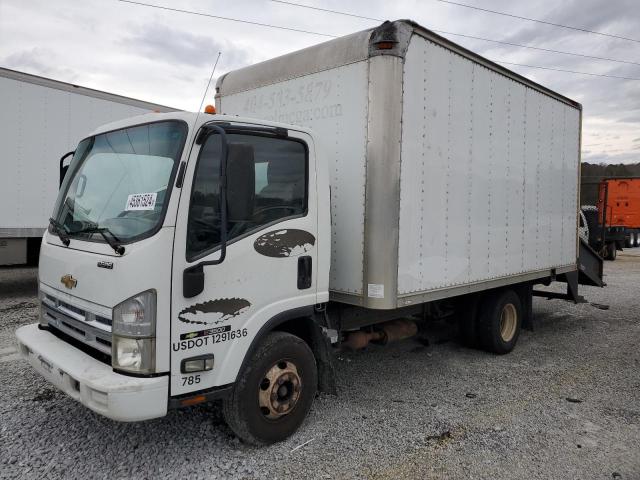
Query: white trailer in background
{"x": 40, "y": 120}
{"x": 433, "y": 184}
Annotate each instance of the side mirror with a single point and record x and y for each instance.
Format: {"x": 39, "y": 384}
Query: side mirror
{"x": 241, "y": 182}
{"x": 193, "y": 281}
{"x": 63, "y": 167}
{"x": 193, "y": 277}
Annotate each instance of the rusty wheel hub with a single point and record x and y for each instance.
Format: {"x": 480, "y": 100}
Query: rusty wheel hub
{"x": 508, "y": 322}
{"x": 279, "y": 390}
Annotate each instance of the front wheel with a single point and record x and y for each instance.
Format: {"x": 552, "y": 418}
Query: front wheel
{"x": 274, "y": 391}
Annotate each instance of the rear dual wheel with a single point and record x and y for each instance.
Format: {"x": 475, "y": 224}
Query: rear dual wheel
{"x": 633, "y": 240}
{"x": 274, "y": 391}
{"x": 499, "y": 321}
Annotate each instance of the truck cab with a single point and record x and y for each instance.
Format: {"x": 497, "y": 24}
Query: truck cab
{"x": 177, "y": 243}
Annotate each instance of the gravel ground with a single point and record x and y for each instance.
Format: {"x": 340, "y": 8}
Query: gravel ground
{"x": 564, "y": 404}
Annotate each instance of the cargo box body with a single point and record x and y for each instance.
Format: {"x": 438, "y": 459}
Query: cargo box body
{"x": 449, "y": 174}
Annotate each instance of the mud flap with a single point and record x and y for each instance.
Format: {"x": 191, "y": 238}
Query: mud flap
{"x": 572, "y": 286}
{"x": 526, "y": 298}
{"x": 467, "y": 325}
{"x": 321, "y": 346}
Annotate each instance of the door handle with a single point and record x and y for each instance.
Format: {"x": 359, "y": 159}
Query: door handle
{"x": 304, "y": 272}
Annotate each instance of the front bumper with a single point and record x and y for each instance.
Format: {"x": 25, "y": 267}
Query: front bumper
{"x": 91, "y": 382}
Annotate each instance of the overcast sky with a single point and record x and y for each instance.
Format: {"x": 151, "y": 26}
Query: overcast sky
{"x": 166, "y": 57}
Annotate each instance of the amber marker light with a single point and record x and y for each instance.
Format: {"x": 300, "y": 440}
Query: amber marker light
{"x": 193, "y": 401}
{"x": 385, "y": 45}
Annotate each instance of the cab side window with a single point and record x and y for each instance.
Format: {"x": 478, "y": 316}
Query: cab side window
{"x": 280, "y": 171}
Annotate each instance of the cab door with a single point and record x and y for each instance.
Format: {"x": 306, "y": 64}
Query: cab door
{"x": 267, "y": 264}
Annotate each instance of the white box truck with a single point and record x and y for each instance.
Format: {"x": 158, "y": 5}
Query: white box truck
{"x": 197, "y": 257}
{"x": 41, "y": 120}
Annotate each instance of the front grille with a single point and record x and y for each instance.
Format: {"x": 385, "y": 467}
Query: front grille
{"x": 104, "y": 320}
{"x": 71, "y": 327}
{"x": 77, "y": 313}
{"x": 76, "y": 310}
{"x": 86, "y": 327}
{"x": 104, "y": 358}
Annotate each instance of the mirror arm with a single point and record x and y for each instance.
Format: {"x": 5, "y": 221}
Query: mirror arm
{"x": 62, "y": 159}
{"x": 193, "y": 277}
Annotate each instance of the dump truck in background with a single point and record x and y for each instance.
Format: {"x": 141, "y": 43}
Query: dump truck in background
{"x": 194, "y": 257}
{"x": 614, "y": 222}
{"x": 41, "y": 120}
{"x": 619, "y": 214}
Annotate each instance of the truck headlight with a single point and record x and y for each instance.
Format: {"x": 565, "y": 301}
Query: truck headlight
{"x": 136, "y": 316}
{"x": 133, "y": 331}
{"x": 134, "y": 354}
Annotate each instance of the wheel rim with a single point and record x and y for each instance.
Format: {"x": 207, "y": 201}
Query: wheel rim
{"x": 508, "y": 322}
{"x": 279, "y": 390}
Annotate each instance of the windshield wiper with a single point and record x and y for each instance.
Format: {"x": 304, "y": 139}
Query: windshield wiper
{"x": 111, "y": 239}
{"x": 60, "y": 230}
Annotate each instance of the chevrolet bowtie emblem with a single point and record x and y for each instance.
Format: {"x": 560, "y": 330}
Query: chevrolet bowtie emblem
{"x": 68, "y": 281}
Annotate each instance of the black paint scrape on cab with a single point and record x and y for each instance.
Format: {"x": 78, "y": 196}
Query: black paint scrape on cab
{"x": 288, "y": 242}
{"x": 226, "y": 307}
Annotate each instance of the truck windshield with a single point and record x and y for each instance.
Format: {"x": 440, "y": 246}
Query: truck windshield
{"x": 119, "y": 181}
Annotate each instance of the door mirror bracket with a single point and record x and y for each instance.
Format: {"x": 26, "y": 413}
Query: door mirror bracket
{"x": 64, "y": 168}
{"x": 193, "y": 277}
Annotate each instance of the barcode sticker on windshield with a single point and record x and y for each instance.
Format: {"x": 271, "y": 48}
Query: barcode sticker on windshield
{"x": 141, "y": 201}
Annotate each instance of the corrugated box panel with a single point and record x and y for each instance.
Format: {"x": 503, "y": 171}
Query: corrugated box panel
{"x": 334, "y": 104}
{"x": 488, "y": 174}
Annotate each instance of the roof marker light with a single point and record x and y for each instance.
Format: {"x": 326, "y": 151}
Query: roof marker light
{"x": 385, "y": 45}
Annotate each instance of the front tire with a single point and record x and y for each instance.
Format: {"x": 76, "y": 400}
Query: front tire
{"x": 612, "y": 251}
{"x": 274, "y": 392}
{"x": 500, "y": 321}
